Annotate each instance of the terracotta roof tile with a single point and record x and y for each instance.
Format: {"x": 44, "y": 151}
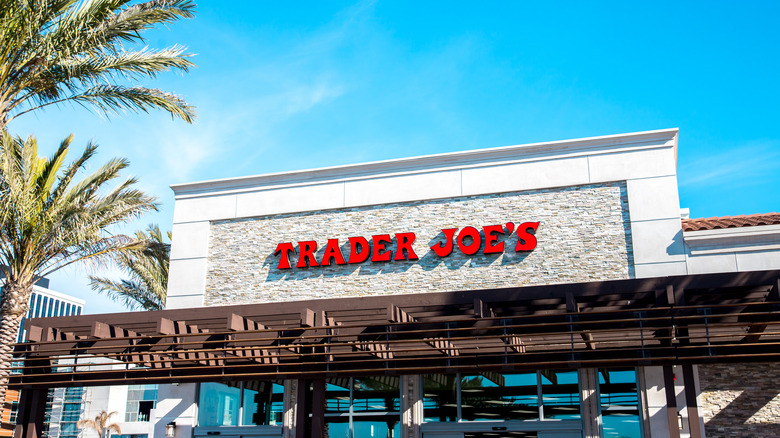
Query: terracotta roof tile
{"x": 714, "y": 223}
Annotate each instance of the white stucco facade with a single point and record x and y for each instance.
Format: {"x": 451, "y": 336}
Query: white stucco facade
{"x": 643, "y": 163}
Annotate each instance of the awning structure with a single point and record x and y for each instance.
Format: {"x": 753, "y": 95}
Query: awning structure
{"x": 658, "y": 321}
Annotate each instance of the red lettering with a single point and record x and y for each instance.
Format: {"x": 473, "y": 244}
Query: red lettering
{"x": 333, "y": 251}
{"x": 443, "y": 249}
{"x": 404, "y": 241}
{"x": 356, "y": 256}
{"x": 476, "y": 240}
{"x": 284, "y": 248}
{"x": 379, "y": 245}
{"x": 490, "y": 239}
{"x": 306, "y": 251}
{"x": 526, "y": 241}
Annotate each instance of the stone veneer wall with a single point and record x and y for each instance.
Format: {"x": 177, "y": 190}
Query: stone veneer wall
{"x": 584, "y": 235}
{"x": 740, "y": 400}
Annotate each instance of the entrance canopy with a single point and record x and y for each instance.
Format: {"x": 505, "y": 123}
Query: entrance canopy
{"x": 657, "y": 321}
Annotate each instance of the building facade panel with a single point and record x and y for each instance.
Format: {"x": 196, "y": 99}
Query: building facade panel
{"x": 583, "y": 235}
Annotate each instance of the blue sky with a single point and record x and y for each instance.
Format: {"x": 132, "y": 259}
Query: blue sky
{"x": 284, "y": 86}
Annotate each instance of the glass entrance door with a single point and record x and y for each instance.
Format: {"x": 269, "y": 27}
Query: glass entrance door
{"x": 366, "y": 407}
{"x": 538, "y": 404}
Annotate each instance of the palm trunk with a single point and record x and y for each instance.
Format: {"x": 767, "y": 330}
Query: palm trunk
{"x": 13, "y": 307}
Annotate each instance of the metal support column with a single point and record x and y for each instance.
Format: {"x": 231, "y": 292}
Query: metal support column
{"x": 32, "y": 407}
{"x": 317, "y": 408}
{"x": 671, "y": 402}
{"x": 302, "y": 409}
{"x": 690, "y": 401}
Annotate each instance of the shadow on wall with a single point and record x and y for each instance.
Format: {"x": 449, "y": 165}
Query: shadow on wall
{"x": 741, "y": 400}
{"x": 627, "y": 230}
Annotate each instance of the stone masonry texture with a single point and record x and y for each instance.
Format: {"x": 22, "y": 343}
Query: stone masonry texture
{"x": 740, "y": 400}
{"x": 584, "y": 235}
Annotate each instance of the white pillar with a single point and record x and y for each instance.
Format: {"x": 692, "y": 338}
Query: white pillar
{"x": 411, "y": 406}
{"x": 290, "y": 408}
{"x": 589, "y": 402}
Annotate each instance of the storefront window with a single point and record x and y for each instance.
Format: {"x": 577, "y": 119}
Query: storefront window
{"x": 263, "y": 403}
{"x": 496, "y": 396}
{"x": 363, "y": 407}
{"x": 440, "y": 402}
{"x": 619, "y": 403}
{"x": 220, "y": 404}
{"x": 560, "y": 394}
{"x": 492, "y": 396}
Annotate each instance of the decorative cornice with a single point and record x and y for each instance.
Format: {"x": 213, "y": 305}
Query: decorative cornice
{"x": 730, "y": 240}
{"x": 439, "y": 162}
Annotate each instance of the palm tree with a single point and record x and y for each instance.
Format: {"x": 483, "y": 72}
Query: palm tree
{"x": 49, "y": 220}
{"x": 99, "y": 424}
{"x": 147, "y": 268}
{"x": 56, "y": 51}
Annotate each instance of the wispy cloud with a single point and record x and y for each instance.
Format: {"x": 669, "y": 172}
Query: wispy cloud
{"x": 742, "y": 165}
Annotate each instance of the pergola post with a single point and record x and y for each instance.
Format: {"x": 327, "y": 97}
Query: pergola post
{"x": 32, "y": 408}
{"x": 690, "y": 401}
{"x": 671, "y": 402}
{"x": 310, "y": 400}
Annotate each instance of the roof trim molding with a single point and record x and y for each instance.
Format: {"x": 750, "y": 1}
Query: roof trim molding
{"x": 439, "y": 162}
{"x": 731, "y": 240}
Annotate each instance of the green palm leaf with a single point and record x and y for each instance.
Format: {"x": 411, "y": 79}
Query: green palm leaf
{"x": 147, "y": 268}
{"x": 56, "y": 51}
{"x": 49, "y": 220}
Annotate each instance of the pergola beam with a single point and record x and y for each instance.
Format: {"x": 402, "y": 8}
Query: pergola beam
{"x": 573, "y": 307}
{"x": 242, "y": 325}
{"x": 418, "y": 334}
{"x": 396, "y": 314}
{"x": 482, "y": 311}
{"x": 176, "y": 329}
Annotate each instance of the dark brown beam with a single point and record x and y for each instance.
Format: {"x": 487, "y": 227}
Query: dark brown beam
{"x": 173, "y": 328}
{"x": 482, "y": 311}
{"x": 396, "y": 314}
{"x": 241, "y": 325}
{"x": 137, "y": 349}
{"x": 756, "y": 330}
{"x": 573, "y": 307}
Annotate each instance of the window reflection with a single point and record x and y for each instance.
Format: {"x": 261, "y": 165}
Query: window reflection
{"x": 560, "y": 394}
{"x": 619, "y": 403}
{"x": 440, "y": 400}
{"x": 497, "y": 396}
{"x": 219, "y": 403}
{"x": 263, "y": 403}
{"x": 363, "y": 407}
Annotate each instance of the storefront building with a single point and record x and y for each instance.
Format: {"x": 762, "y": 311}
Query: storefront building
{"x": 543, "y": 290}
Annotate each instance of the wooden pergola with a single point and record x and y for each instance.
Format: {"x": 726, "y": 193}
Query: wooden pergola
{"x": 638, "y": 322}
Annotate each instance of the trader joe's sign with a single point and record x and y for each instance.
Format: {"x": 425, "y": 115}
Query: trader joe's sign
{"x": 468, "y": 240}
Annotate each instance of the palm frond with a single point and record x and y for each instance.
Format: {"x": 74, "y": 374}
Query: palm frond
{"x": 112, "y": 99}
{"x": 48, "y": 220}
{"x": 146, "y": 265}
{"x": 57, "y": 51}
